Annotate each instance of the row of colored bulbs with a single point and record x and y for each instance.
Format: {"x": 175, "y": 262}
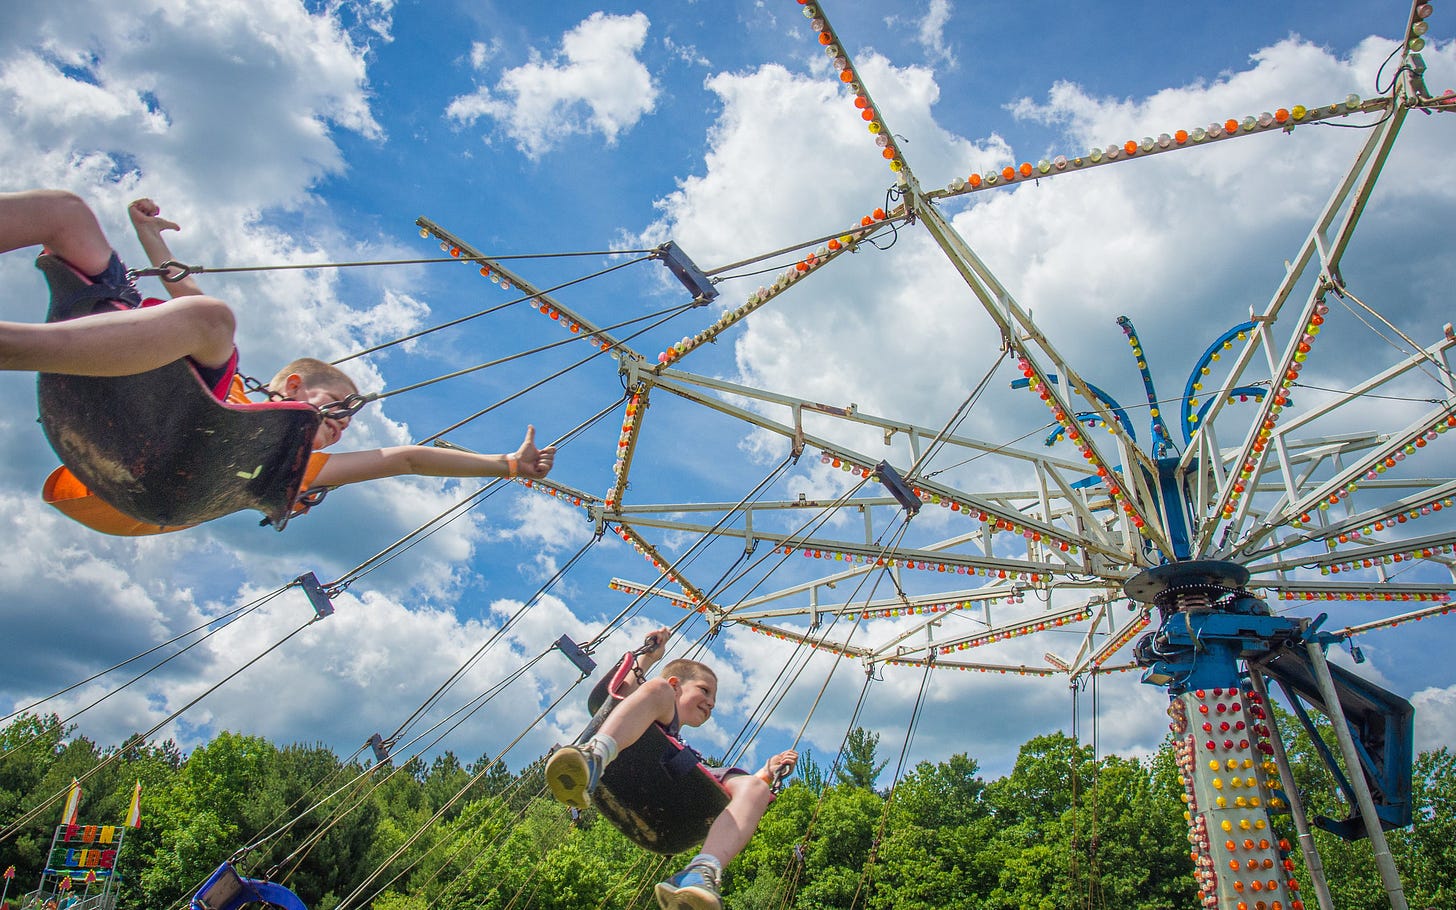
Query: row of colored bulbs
{"x": 922, "y": 565}
{"x": 658, "y": 564}
{"x": 816, "y": 644}
{"x": 950, "y": 606}
{"x": 1018, "y": 630}
{"x": 1396, "y": 453}
{"x": 781, "y": 635}
{"x": 1070, "y": 426}
{"x": 996, "y": 524}
{"x": 1204, "y": 369}
{"x": 758, "y": 298}
{"x": 1387, "y": 559}
{"x": 504, "y": 282}
{"x": 631, "y": 422}
{"x": 1281, "y": 400}
{"x": 626, "y": 587}
{"x": 562, "y": 495}
{"x": 995, "y": 670}
{"x": 1127, "y": 635}
{"x": 1283, "y": 118}
{"x": 1403, "y": 596}
{"x": 839, "y": 58}
{"x": 486, "y": 270}
{"x": 1411, "y": 514}
{"x": 1154, "y": 411}
{"x": 1415, "y": 42}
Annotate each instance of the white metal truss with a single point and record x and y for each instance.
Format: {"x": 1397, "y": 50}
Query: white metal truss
{"x": 1321, "y": 502}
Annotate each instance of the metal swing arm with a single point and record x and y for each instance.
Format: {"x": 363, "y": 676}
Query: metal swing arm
{"x": 1090, "y": 536}
{"x": 1027, "y": 339}
{"x": 1345, "y": 206}
{"x": 472, "y": 254}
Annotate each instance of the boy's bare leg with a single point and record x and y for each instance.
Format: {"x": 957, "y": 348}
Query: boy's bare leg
{"x": 749, "y": 798}
{"x": 60, "y": 221}
{"x": 124, "y": 342}
{"x": 652, "y": 702}
{"x": 107, "y": 344}
{"x": 573, "y": 772}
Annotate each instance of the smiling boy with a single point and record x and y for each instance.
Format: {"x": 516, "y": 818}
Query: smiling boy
{"x": 682, "y": 695}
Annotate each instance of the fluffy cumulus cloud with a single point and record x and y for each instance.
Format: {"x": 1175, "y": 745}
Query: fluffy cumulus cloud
{"x": 1435, "y": 718}
{"x": 593, "y": 84}
{"x": 930, "y": 33}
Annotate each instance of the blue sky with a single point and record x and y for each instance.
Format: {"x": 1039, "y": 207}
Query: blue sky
{"x": 283, "y": 132}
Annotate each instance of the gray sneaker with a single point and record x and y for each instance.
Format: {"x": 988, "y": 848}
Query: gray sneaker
{"x": 572, "y": 773}
{"x": 694, "y": 888}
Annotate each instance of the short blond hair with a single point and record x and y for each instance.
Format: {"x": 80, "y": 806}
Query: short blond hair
{"x": 687, "y": 670}
{"x": 314, "y": 372}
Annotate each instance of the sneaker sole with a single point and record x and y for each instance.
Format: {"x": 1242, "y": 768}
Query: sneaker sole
{"x": 690, "y": 898}
{"x": 567, "y": 774}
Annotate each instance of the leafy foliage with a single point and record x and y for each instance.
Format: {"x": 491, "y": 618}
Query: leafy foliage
{"x": 1064, "y": 828}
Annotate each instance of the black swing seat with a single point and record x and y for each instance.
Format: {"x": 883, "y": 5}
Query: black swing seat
{"x": 657, "y": 793}
{"x": 157, "y": 445}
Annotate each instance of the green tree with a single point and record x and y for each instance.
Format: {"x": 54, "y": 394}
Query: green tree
{"x": 1040, "y": 787}
{"x": 1427, "y": 851}
{"x": 445, "y": 779}
{"x": 30, "y": 745}
{"x": 859, "y": 765}
{"x": 810, "y": 772}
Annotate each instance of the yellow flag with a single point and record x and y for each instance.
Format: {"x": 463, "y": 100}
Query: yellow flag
{"x": 134, "y": 814}
{"x": 73, "y": 804}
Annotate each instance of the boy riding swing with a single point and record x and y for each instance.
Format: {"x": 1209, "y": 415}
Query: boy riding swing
{"x": 682, "y": 695}
{"x": 131, "y": 337}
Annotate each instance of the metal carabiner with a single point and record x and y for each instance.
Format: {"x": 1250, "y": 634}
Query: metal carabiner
{"x": 339, "y": 410}
{"x": 170, "y": 271}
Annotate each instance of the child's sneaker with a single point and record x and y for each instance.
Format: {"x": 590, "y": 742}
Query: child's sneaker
{"x": 572, "y": 773}
{"x": 694, "y": 888}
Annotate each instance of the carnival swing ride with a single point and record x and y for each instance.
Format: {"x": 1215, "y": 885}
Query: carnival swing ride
{"x": 1179, "y": 554}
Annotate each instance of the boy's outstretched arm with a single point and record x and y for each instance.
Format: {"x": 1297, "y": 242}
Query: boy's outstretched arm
{"x": 428, "y": 461}
{"x": 147, "y": 221}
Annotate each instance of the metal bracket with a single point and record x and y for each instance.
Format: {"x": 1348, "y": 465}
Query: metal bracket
{"x": 317, "y": 596}
{"x": 576, "y": 655}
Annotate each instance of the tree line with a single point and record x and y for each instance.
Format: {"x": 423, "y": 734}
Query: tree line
{"x": 1065, "y": 828}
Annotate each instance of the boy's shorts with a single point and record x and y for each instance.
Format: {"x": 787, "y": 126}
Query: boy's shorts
{"x": 124, "y": 290}
{"x": 115, "y": 281}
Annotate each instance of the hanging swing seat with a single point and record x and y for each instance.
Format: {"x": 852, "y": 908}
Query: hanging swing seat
{"x": 657, "y": 792}
{"x": 225, "y": 889}
{"x": 158, "y": 446}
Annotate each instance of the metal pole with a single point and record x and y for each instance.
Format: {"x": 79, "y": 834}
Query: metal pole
{"x": 1383, "y": 860}
{"x": 1307, "y": 846}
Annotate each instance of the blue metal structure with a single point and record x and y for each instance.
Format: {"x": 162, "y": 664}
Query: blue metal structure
{"x": 225, "y": 889}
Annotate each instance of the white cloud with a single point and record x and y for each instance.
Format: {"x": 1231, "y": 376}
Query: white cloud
{"x": 593, "y": 84}
{"x": 687, "y": 53}
{"x": 932, "y": 32}
{"x": 482, "y": 52}
{"x": 1435, "y": 718}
